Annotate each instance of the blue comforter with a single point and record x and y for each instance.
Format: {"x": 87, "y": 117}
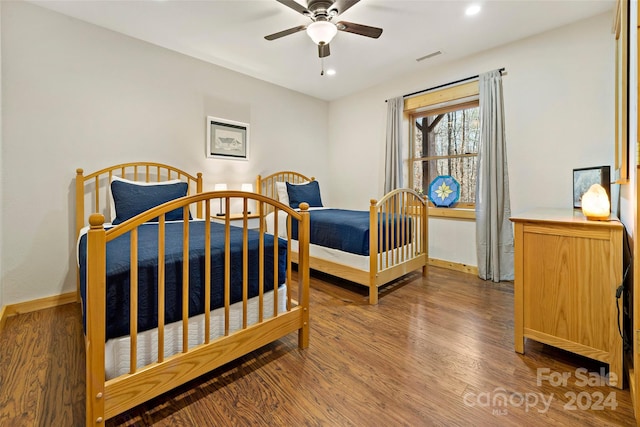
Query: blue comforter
{"x": 118, "y": 283}
{"x": 348, "y": 230}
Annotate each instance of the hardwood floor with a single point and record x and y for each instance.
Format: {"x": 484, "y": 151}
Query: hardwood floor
{"x": 436, "y": 351}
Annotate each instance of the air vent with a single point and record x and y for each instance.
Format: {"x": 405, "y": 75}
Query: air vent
{"x": 431, "y": 55}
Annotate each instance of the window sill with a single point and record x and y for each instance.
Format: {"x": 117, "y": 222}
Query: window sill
{"x": 454, "y": 213}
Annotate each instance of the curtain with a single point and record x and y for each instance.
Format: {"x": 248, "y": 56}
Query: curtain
{"x": 494, "y": 232}
{"x": 393, "y": 154}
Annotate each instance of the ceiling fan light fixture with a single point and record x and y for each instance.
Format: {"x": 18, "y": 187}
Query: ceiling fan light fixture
{"x": 322, "y": 32}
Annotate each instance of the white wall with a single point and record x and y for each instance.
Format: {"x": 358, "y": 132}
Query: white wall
{"x": 559, "y": 102}
{"x": 1, "y": 210}
{"x": 76, "y": 95}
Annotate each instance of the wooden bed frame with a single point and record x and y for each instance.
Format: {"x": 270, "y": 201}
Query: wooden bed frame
{"x": 388, "y": 265}
{"x": 107, "y": 398}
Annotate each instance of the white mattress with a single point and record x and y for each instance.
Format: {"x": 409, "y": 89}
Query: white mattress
{"x": 117, "y": 350}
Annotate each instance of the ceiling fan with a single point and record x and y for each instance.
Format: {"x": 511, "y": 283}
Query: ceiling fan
{"x": 322, "y": 29}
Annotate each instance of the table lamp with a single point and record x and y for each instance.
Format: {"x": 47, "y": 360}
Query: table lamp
{"x": 220, "y": 187}
{"x": 249, "y": 188}
{"x": 595, "y": 203}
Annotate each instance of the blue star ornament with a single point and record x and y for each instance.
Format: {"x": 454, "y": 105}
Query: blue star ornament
{"x": 444, "y": 191}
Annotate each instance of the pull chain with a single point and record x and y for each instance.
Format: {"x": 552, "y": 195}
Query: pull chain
{"x": 322, "y": 66}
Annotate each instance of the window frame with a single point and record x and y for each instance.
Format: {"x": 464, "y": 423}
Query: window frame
{"x": 440, "y": 101}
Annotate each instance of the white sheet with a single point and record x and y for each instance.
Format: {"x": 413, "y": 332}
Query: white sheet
{"x": 361, "y": 262}
{"x": 117, "y": 350}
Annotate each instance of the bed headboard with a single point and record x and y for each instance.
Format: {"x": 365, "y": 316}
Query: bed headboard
{"x": 92, "y": 191}
{"x": 267, "y": 185}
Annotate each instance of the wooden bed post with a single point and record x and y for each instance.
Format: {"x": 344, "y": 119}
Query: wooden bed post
{"x": 303, "y": 278}
{"x": 198, "y": 191}
{"x": 258, "y": 190}
{"x": 95, "y": 313}
{"x": 373, "y": 252}
{"x": 424, "y": 217}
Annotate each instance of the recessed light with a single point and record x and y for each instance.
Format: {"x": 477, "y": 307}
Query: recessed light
{"x": 331, "y": 72}
{"x": 472, "y": 10}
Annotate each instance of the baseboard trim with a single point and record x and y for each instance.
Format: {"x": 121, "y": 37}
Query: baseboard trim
{"x": 3, "y": 317}
{"x": 34, "y": 305}
{"x": 470, "y": 269}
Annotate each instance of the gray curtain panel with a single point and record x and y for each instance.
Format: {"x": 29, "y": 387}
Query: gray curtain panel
{"x": 393, "y": 154}
{"x": 494, "y": 232}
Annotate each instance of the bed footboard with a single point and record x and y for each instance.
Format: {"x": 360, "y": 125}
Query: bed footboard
{"x": 397, "y": 238}
{"x": 106, "y": 398}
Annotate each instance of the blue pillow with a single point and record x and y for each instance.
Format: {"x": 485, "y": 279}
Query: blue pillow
{"x": 133, "y": 199}
{"x": 309, "y": 193}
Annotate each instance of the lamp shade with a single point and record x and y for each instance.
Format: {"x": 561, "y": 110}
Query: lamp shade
{"x": 322, "y": 32}
{"x": 595, "y": 203}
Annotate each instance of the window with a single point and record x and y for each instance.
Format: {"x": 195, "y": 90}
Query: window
{"x": 446, "y": 143}
{"x": 445, "y": 136}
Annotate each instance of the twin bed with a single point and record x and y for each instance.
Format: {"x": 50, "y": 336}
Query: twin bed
{"x": 371, "y": 248}
{"x": 226, "y": 290}
{"x": 168, "y": 294}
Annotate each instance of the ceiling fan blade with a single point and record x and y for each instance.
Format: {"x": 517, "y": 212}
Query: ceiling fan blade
{"x": 295, "y": 6}
{"x": 341, "y": 6}
{"x": 363, "y": 30}
{"x": 323, "y": 50}
{"x": 285, "y": 32}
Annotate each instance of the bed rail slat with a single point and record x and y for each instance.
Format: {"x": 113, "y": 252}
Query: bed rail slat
{"x": 391, "y": 230}
{"x": 97, "y": 190}
{"x": 289, "y": 252}
{"x": 261, "y": 278}
{"x": 245, "y": 264}
{"x": 400, "y": 225}
{"x": 185, "y": 281}
{"x": 387, "y": 231}
{"x": 133, "y": 300}
{"x": 227, "y": 267}
{"x": 161, "y": 286}
{"x": 207, "y": 274}
{"x": 406, "y": 225}
{"x": 275, "y": 272}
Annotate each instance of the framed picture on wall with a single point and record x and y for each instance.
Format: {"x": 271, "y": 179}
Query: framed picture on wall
{"x": 227, "y": 139}
{"x": 584, "y": 178}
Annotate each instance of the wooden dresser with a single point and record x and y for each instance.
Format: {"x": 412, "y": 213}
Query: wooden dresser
{"x": 567, "y": 270}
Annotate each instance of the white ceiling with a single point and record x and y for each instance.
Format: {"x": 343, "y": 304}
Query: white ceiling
{"x": 230, "y": 33}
